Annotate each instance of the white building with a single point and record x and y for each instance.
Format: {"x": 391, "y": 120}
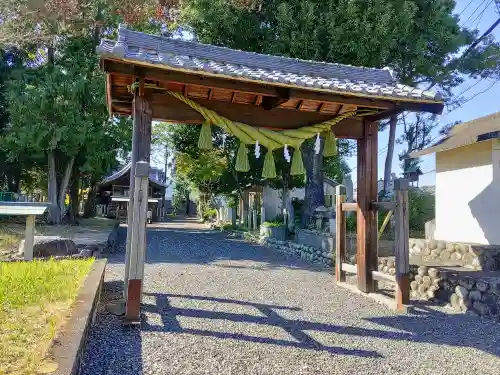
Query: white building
{"x": 468, "y": 182}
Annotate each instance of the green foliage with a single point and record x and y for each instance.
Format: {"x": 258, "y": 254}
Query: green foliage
{"x": 209, "y": 214}
{"x": 231, "y": 227}
{"x": 278, "y": 221}
{"x": 350, "y": 223}
{"x": 421, "y": 205}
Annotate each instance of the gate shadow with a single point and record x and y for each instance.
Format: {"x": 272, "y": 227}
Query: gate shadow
{"x": 421, "y": 325}
{"x": 169, "y": 317}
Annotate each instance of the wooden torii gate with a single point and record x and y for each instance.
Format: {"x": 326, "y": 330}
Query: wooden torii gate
{"x": 263, "y": 91}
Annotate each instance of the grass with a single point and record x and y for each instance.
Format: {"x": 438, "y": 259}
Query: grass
{"x": 35, "y": 298}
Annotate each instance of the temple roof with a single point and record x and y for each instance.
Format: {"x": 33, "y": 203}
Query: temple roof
{"x": 189, "y": 56}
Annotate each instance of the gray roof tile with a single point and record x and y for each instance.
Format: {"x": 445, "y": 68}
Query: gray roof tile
{"x": 195, "y": 56}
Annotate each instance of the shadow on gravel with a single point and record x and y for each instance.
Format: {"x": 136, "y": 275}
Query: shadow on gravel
{"x": 296, "y": 329}
{"x": 111, "y": 347}
{"x": 420, "y": 325}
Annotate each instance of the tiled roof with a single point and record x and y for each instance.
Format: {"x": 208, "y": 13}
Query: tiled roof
{"x": 478, "y": 130}
{"x": 122, "y": 172}
{"x": 197, "y": 57}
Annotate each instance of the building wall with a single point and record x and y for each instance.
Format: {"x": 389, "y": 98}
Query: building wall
{"x": 467, "y": 208}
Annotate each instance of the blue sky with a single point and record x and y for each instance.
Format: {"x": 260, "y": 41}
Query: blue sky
{"x": 480, "y": 14}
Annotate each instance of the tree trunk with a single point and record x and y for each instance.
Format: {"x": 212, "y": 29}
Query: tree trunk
{"x": 64, "y": 187}
{"x": 54, "y": 214}
{"x": 89, "y": 208}
{"x": 314, "y": 191}
{"x": 74, "y": 196}
{"x": 390, "y": 153}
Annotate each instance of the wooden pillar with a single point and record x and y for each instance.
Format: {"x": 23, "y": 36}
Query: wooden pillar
{"x": 401, "y": 244}
{"x": 29, "y": 237}
{"x": 141, "y": 151}
{"x": 367, "y": 239}
{"x": 340, "y": 235}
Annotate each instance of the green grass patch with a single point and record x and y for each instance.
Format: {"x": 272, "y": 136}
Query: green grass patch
{"x": 35, "y": 299}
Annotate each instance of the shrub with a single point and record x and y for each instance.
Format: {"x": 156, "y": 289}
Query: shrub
{"x": 421, "y": 207}
{"x": 209, "y": 214}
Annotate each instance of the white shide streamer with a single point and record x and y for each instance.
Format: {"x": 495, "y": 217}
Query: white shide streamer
{"x": 317, "y": 144}
{"x": 257, "y": 149}
{"x": 287, "y": 154}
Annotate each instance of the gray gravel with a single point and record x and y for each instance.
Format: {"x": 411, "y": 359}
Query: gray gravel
{"x": 218, "y": 306}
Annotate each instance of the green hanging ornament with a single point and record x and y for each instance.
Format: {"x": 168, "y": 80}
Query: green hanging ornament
{"x": 330, "y": 148}
{"x": 297, "y": 163}
{"x": 269, "y": 169}
{"x": 242, "y": 163}
{"x": 205, "y": 140}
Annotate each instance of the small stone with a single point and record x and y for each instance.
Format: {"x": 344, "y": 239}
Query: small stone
{"x": 426, "y": 251}
{"x": 427, "y": 281}
{"x": 475, "y": 295}
{"x": 414, "y": 285}
{"x": 476, "y": 263}
{"x": 450, "y": 246}
{"x": 455, "y": 301}
{"x": 468, "y": 258}
{"x": 432, "y": 244}
{"x": 392, "y": 271}
{"x": 481, "y": 308}
{"x": 380, "y": 267}
{"x": 417, "y": 250}
{"x": 461, "y": 291}
{"x": 385, "y": 269}
{"x": 390, "y": 263}
{"x": 422, "y": 289}
{"x": 418, "y": 279}
{"x": 435, "y": 253}
{"x": 433, "y": 272}
{"x": 482, "y": 286}
{"x": 441, "y": 245}
{"x": 430, "y": 293}
{"x": 460, "y": 248}
{"x": 445, "y": 255}
{"x": 467, "y": 282}
{"x": 422, "y": 271}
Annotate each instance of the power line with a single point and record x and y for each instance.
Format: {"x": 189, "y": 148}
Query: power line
{"x": 463, "y": 10}
{"x": 475, "y": 10}
{"x": 485, "y": 34}
{"x": 480, "y": 15}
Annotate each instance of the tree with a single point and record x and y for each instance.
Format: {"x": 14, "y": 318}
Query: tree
{"x": 418, "y": 39}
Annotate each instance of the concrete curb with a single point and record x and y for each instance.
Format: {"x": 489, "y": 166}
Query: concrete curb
{"x": 68, "y": 347}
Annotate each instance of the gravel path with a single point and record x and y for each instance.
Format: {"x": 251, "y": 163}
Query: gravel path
{"x": 218, "y": 306}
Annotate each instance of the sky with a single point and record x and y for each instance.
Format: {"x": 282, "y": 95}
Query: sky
{"x": 481, "y": 15}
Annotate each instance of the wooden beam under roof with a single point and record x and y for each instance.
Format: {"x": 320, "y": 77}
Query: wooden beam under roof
{"x": 168, "y": 108}
{"x": 113, "y": 66}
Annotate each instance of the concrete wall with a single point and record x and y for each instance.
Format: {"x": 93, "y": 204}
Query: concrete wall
{"x": 467, "y": 203}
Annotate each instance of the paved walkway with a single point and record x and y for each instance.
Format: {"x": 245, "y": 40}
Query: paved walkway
{"x": 219, "y": 306}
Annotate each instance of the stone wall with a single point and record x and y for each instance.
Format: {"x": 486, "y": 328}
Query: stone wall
{"x": 304, "y": 252}
{"x": 470, "y": 256}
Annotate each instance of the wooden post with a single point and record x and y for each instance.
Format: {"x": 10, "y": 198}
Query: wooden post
{"x": 141, "y": 150}
{"x": 254, "y": 219}
{"x": 367, "y": 239}
{"x": 262, "y": 214}
{"x": 138, "y": 242}
{"x": 29, "y": 237}
{"x": 401, "y": 244}
{"x": 340, "y": 235}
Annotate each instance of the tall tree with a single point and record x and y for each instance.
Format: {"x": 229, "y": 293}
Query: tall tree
{"x": 417, "y": 39}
